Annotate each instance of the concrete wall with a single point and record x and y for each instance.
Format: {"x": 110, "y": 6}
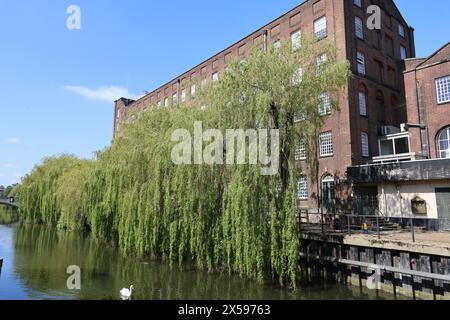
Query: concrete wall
{"x": 397, "y": 202}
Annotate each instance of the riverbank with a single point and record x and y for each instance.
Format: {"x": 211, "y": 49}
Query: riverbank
{"x": 415, "y": 269}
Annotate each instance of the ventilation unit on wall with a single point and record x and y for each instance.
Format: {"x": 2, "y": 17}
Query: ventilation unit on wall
{"x": 387, "y": 130}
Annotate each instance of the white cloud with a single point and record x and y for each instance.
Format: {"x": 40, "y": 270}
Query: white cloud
{"x": 106, "y": 93}
{"x": 12, "y": 140}
{"x": 8, "y": 166}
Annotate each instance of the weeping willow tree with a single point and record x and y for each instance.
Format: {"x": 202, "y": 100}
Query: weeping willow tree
{"x": 53, "y": 193}
{"x": 218, "y": 217}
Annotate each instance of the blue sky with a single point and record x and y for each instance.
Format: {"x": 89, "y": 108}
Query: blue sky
{"x": 57, "y": 85}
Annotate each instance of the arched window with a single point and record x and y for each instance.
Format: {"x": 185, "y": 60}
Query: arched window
{"x": 328, "y": 188}
{"x": 444, "y": 143}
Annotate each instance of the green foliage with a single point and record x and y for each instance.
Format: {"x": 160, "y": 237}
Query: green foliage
{"x": 220, "y": 217}
{"x": 53, "y": 193}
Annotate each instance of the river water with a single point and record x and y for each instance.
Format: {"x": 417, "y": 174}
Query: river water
{"x": 36, "y": 259}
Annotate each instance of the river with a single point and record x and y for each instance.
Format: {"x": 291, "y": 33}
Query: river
{"x": 36, "y": 259}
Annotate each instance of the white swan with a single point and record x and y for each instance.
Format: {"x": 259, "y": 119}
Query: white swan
{"x": 126, "y": 293}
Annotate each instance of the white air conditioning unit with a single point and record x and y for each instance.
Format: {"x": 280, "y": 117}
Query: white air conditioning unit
{"x": 387, "y": 130}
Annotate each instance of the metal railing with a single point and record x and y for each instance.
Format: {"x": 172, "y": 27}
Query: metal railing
{"x": 377, "y": 224}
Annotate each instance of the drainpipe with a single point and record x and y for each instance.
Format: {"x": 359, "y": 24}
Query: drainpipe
{"x": 178, "y": 91}
{"x": 265, "y": 35}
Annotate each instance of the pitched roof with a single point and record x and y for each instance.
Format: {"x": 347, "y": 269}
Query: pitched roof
{"x": 441, "y": 55}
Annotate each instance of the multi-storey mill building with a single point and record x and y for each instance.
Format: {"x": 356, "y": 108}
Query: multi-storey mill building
{"x": 372, "y": 106}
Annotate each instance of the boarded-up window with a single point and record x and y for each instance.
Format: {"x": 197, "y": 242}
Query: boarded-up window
{"x": 295, "y": 19}
{"x": 258, "y": 40}
{"x": 275, "y": 31}
{"x": 227, "y": 57}
{"x": 318, "y": 6}
{"x": 215, "y": 64}
{"x": 204, "y": 70}
{"x": 242, "y": 49}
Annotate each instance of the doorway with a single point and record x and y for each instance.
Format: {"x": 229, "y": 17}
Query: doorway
{"x": 443, "y": 207}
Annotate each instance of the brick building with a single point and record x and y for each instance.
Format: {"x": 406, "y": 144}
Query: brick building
{"x": 374, "y": 100}
{"x": 413, "y": 177}
{"x": 427, "y": 83}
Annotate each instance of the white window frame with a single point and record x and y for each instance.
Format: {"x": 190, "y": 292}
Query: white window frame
{"x": 193, "y": 91}
{"x": 365, "y": 149}
{"x": 362, "y": 101}
{"x": 297, "y": 77}
{"x": 323, "y": 58}
{"x": 300, "y": 152}
{"x": 359, "y": 28}
{"x": 302, "y": 188}
{"x": 204, "y": 82}
{"x": 296, "y": 40}
{"x": 183, "y": 95}
{"x": 320, "y": 28}
{"x": 443, "y": 90}
{"x": 215, "y": 76}
{"x": 175, "y": 99}
{"x": 447, "y": 140}
{"x": 325, "y": 104}
{"x": 166, "y": 102}
{"x": 326, "y": 144}
{"x": 361, "y": 61}
{"x": 277, "y": 45}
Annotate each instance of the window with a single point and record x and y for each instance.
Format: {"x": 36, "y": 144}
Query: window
{"x": 359, "y": 28}
{"x": 320, "y": 61}
{"x": 299, "y": 117}
{"x": 325, "y": 104}
{"x": 302, "y": 188}
{"x": 357, "y": 3}
{"x": 277, "y": 45}
{"x": 362, "y": 103}
{"x": 326, "y": 144}
{"x": 296, "y": 40}
{"x": 300, "y": 153}
{"x": 444, "y": 144}
{"x": 193, "y": 88}
{"x": 443, "y": 89}
{"x": 401, "y": 30}
{"x": 158, "y": 104}
{"x": 320, "y": 28}
{"x": 204, "y": 82}
{"x": 298, "y": 76}
{"x": 215, "y": 76}
{"x": 403, "y": 54}
{"x": 390, "y": 45}
{"x": 361, "y": 60}
{"x": 183, "y": 95}
{"x": 365, "y": 144}
{"x": 166, "y": 102}
{"x": 175, "y": 99}
{"x": 328, "y": 192}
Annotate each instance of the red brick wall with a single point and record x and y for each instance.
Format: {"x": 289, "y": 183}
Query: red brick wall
{"x": 421, "y": 90}
{"x": 346, "y": 124}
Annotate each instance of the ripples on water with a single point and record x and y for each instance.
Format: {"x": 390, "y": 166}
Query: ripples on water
{"x": 36, "y": 259}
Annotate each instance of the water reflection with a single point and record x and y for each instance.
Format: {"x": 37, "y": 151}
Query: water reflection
{"x": 38, "y": 257}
